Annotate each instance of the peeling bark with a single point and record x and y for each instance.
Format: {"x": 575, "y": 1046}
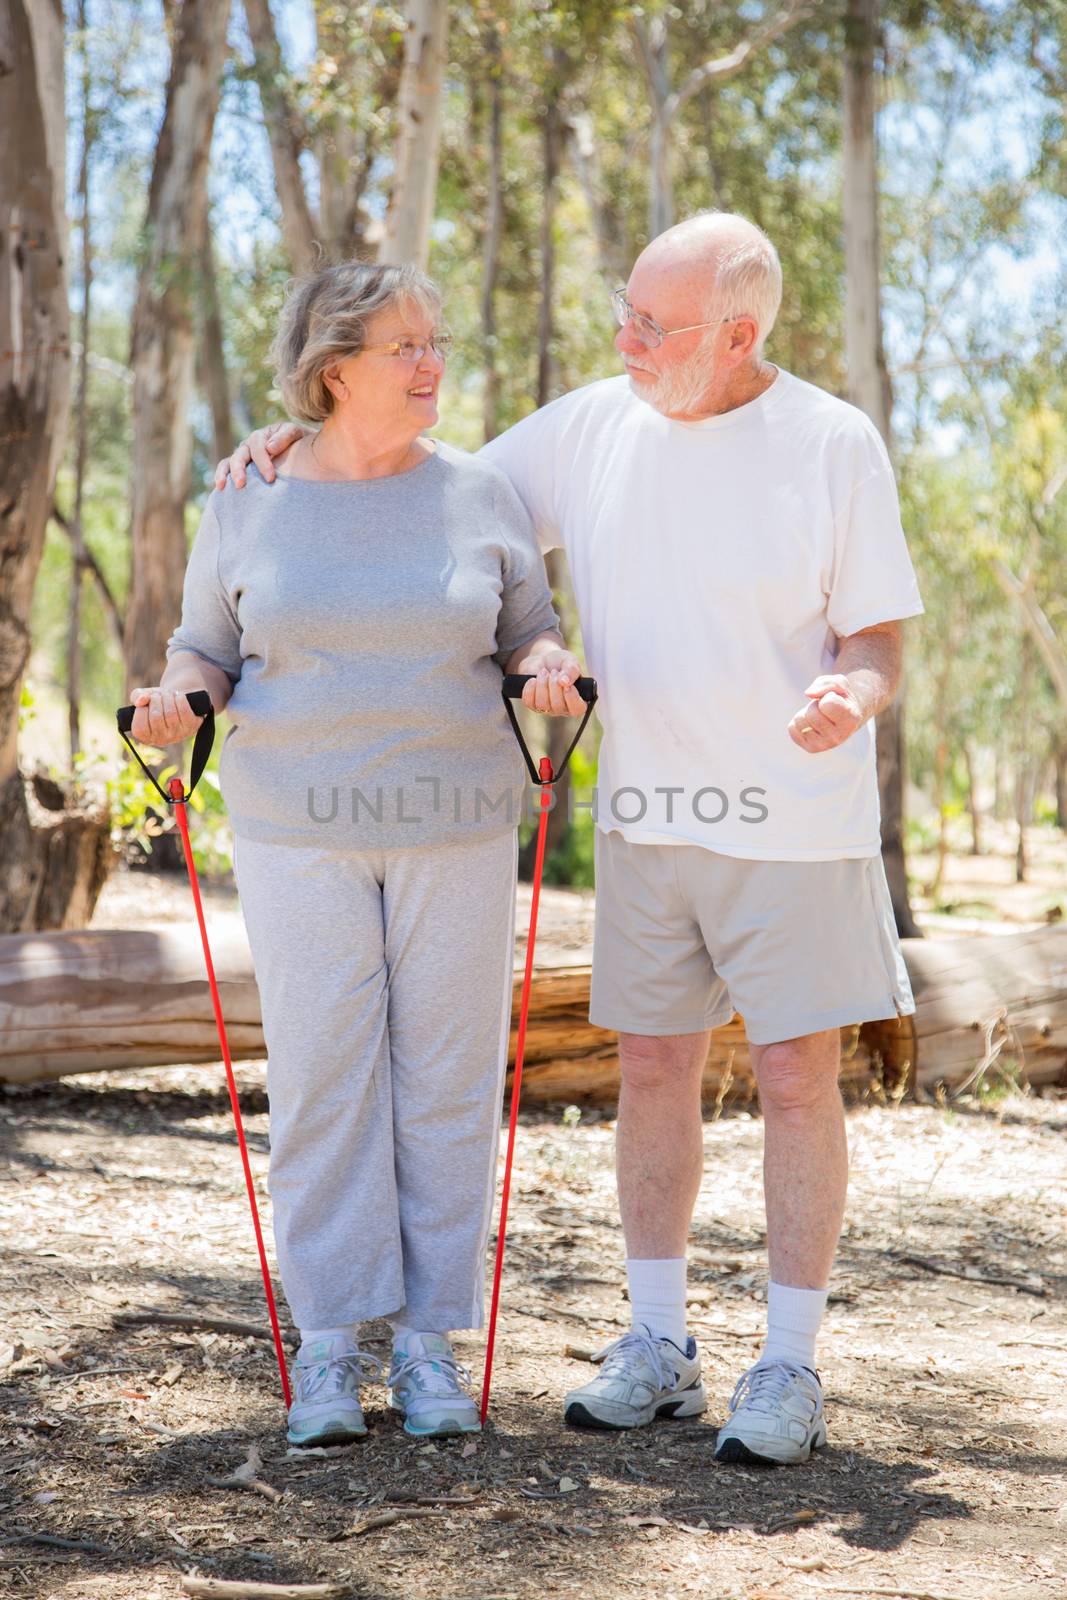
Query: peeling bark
{"x": 868, "y": 380}
{"x": 407, "y": 228}
{"x": 54, "y": 856}
{"x": 163, "y": 337}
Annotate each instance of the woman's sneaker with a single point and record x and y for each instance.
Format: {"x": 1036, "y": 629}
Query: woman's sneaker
{"x": 425, "y": 1386}
{"x": 325, "y": 1378}
{"x": 641, "y": 1378}
{"x": 775, "y": 1416}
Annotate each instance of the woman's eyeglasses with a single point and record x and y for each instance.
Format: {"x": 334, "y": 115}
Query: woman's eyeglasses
{"x": 412, "y": 349}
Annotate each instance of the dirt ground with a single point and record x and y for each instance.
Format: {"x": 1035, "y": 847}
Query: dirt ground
{"x": 944, "y": 1359}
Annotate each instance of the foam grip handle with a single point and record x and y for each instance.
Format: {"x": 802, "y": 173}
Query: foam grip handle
{"x": 515, "y": 683}
{"x": 199, "y": 702}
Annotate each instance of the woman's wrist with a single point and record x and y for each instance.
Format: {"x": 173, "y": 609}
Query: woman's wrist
{"x": 530, "y": 656}
{"x": 182, "y": 676}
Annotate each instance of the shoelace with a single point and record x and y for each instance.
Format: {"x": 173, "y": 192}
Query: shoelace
{"x": 324, "y": 1379}
{"x": 446, "y": 1369}
{"x": 638, "y": 1343}
{"x": 762, "y": 1385}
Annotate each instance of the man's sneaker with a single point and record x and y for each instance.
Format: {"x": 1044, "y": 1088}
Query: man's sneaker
{"x": 425, "y": 1386}
{"x": 775, "y": 1416}
{"x": 325, "y": 1378}
{"x": 641, "y": 1378}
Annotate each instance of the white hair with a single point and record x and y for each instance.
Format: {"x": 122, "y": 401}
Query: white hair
{"x": 748, "y": 274}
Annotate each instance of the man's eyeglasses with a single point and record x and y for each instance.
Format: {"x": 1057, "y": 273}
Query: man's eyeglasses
{"x": 412, "y": 349}
{"x": 648, "y": 331}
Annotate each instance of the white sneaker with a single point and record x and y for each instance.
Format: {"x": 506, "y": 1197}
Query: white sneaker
{"x": 642, "y": 1378}
{"x": 775, "y": 1416}
{"x": 325, "y": 1378}
{"x": 425, "y": 1386}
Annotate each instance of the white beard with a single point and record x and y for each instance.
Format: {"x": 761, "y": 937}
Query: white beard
{"x": 680, "y": 389}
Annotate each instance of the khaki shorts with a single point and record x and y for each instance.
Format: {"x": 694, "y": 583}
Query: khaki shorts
{"x": 685, "y": 937}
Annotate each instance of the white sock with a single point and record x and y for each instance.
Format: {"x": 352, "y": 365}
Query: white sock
{"x": 793, "y": 1318}
{"x": 403, "y": 1335}
{"x": 311, "y": 1335}
{"x": 657, "y": 1297}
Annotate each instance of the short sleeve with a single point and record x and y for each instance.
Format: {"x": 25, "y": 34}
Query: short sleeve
{"x": 209, "y": 628}
{"x": 872, "y": 579}
{"x": 526, "y": 608}
{"x": 527, "y": 454}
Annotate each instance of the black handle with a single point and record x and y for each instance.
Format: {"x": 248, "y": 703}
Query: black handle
{"x": 515, "y": 683}
{"x": 200, "y": 703}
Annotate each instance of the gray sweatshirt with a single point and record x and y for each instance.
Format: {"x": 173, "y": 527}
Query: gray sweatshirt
{"x": 365, "y": 626}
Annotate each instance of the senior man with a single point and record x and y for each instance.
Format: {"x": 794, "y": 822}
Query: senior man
{"x": 741, "y": 574}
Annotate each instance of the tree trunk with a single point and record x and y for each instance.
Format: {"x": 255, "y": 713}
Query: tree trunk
{"x": 163, "y": 337}
{"x": 651, "y": 41}
{"x": 34, "y": 325}
{"x": 613, "y": 254}
{"x": 1059, "y": 772}
{"x": 411, "y": 206}
{"x": 551, "y": 145}
{"x": 973, "y": 810}
{"x": 940, "y": 770}
{"x": 77, "y": 534}
{"x": 559, "y": 732}
{"x": 868, "y": 379}
{"x": 650, "y": 37}
{"x": 1001, "y": 785}
{"x": 342, "y": 152}
{"x": 661, "y": 205}
{"x": 54, "y": 857}
{"x": 213, "y": 378}
{"x": 942, "y": 731}
{"x": 494, "y": 222}
{"x": 1024, "y": 781}
{"x": 287, "y": 138}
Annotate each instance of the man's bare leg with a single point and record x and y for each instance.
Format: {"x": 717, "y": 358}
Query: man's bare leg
{"x": 776, "y": 1414}
{"x": 659, "y": 1145}
{"x": 659, "y": 1159}
{"x": 805, "y": 1155}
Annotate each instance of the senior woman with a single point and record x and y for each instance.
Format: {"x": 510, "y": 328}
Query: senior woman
{"x": 354, "y": 618}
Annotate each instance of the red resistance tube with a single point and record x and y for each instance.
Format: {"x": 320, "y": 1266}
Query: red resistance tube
{"x": 177, "y": 792}
{"x": 545, "y": 769}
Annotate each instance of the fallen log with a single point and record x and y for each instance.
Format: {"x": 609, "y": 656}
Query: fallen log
{"x": 97, "y": 1000}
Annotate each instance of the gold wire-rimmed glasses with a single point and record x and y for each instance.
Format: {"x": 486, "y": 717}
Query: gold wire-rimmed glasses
{"x": 647, "y": 329}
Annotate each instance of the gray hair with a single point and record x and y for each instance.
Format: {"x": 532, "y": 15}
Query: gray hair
{"x": 324, "y": 319}
{"x": 748, "y": 277}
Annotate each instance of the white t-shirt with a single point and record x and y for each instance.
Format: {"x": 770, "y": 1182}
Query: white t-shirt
{"x": 716, "y": 565}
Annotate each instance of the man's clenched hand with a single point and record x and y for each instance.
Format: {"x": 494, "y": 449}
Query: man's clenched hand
{"x": 832, "y": 714}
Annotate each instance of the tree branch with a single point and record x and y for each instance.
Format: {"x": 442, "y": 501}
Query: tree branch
{"x": 86, "y": 558}
{"x": 723, "y": 67}
{"x": 287, "y": 133}
{"x": 650, "y": 40}
{"x": 1037, "y": 625}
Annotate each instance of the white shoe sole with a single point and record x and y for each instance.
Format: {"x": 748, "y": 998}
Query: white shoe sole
{"x": 585, "y": 1411}
{"x": 766, "y": 1450}
{"x": 446, "y": 1427}
{"x": 333, "y": 1428}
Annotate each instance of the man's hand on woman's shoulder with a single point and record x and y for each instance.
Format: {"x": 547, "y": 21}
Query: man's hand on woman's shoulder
{"x": 259, "y": 448}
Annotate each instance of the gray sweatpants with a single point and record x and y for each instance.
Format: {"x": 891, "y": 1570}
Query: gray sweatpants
{"x": 385, "y": 986}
